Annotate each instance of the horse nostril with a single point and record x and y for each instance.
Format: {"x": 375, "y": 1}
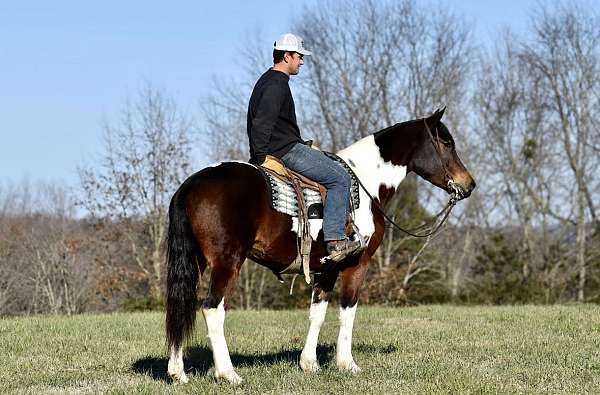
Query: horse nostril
{"x": 469, "y": 188}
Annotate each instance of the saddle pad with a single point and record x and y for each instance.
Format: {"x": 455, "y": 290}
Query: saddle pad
{"x": 284, "y": 200}
{"x": 283, "y": 196}
{"x": 354, "y": 186}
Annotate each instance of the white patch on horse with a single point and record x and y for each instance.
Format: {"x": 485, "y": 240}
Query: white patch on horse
{"x": 344, "y": 343}
{"x": 175, "y": 366}
{"x": 216, "y": 164}
{"x": 372, "y": 171}
{"x": 308, "y": 358}
{"x": 315, "y": 226}
{"x": 215, "y": 319}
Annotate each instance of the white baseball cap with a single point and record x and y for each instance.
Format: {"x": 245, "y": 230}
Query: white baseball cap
{"x": 292, "y": 43}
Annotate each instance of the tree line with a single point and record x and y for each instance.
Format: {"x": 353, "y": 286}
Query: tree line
{"x": 524, "y": 112}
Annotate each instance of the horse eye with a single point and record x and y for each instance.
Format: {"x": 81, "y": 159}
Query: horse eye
{"x": 447, "y": 143}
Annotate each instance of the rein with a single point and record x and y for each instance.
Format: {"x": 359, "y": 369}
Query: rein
{"x": 445, "y": 212}
{"x": 456, "y": 195}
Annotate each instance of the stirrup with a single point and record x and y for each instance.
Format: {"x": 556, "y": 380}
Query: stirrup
{"x": 357, "y": 235}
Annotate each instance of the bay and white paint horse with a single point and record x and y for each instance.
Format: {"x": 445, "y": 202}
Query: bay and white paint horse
{"x": 221, "y": 215}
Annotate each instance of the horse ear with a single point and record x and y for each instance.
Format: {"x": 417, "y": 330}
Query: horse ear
{"x": 435, "y": 118}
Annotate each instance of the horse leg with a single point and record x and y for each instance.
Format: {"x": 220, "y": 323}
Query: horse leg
{"x": 222, "y": 283}
{"x": 352, "y": 279}
{"x": 175, "y": 366}
{"x": 318, "y": 309}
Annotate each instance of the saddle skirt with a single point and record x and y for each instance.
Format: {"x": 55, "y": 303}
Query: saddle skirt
{"x": 283, "y": 195}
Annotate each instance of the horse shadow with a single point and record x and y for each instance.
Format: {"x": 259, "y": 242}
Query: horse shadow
{"x": 199, "y": 360}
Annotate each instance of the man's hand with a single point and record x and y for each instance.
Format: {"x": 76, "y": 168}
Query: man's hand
{"x": 312, "y": 145}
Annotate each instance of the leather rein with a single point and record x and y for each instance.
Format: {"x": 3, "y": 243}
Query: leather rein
{"x": 456, "y": 195}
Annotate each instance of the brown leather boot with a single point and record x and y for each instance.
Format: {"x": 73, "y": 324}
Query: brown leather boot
{"x": 340, "y": 249}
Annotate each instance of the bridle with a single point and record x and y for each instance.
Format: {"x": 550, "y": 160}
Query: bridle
{"x": 456, "y": 195}
{"x": 457, "y": 190}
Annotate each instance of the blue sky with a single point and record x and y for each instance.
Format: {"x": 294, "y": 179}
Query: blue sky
{"x": 67, "y": 65}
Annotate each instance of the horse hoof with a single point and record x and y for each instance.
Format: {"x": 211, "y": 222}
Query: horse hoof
{"x": 176, "y": 373}
{"x": 179, "y": 377}
{"x": 349, "y": 366}
{"x": 230, "y": 376}
{"x": 309, "y": 366}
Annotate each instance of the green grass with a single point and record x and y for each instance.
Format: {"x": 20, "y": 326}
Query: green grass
{"x": 434, "y": 349}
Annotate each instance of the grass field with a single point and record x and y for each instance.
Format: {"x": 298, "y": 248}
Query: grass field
{"x": 433, "y": 349}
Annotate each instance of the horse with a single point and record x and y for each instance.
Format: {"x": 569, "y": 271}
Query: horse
{"x": 221, "y": 215}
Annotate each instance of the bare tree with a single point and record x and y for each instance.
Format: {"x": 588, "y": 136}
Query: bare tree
{"x": 534, "y": 121}
{"x": 224, "y": 114}
{"x": 60, "y": 288}
{"x": 224, "y": 109}
{"x": 7, "y": 273}
{"x": 519, "y": 159}
{"x": 146, "y": 157}
{"x": 565, "y": 57}
{"x": 40, "y": 269}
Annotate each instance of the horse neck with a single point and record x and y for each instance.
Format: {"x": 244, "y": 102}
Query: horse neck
{"x": 379, "y": 174}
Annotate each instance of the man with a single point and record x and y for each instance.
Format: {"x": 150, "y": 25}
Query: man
{"x": 272, "y": 130}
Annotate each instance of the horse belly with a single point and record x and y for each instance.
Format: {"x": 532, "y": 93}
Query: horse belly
{"x": 274, "y": 245}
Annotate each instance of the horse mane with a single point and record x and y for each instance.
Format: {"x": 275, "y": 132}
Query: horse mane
{"x": 394, "y": 127}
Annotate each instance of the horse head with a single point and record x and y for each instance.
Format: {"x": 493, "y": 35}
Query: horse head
{"x": 435, "y": 159}
{"x": 426, "y": 147}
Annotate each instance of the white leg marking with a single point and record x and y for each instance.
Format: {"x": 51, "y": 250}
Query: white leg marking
{"x": 344, "y": 344}
{"x": 308, "y": 358}
{"x": 215, "y": 319}
{"x": 175, "y": 367}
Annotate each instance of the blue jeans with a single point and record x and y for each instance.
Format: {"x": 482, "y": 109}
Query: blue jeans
{"x": 318, "y": 167}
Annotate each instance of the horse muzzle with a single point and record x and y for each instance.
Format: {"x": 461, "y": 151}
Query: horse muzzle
{"x": 459, "y": 191}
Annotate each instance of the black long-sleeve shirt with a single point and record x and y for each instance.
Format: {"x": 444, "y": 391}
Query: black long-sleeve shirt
{"x": 271, "y": 122}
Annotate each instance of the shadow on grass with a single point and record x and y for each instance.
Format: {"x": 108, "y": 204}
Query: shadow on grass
{"x": 199, "y": 359}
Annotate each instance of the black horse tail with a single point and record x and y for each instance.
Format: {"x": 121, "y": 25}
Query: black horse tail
{"x": 182, "y": 273}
